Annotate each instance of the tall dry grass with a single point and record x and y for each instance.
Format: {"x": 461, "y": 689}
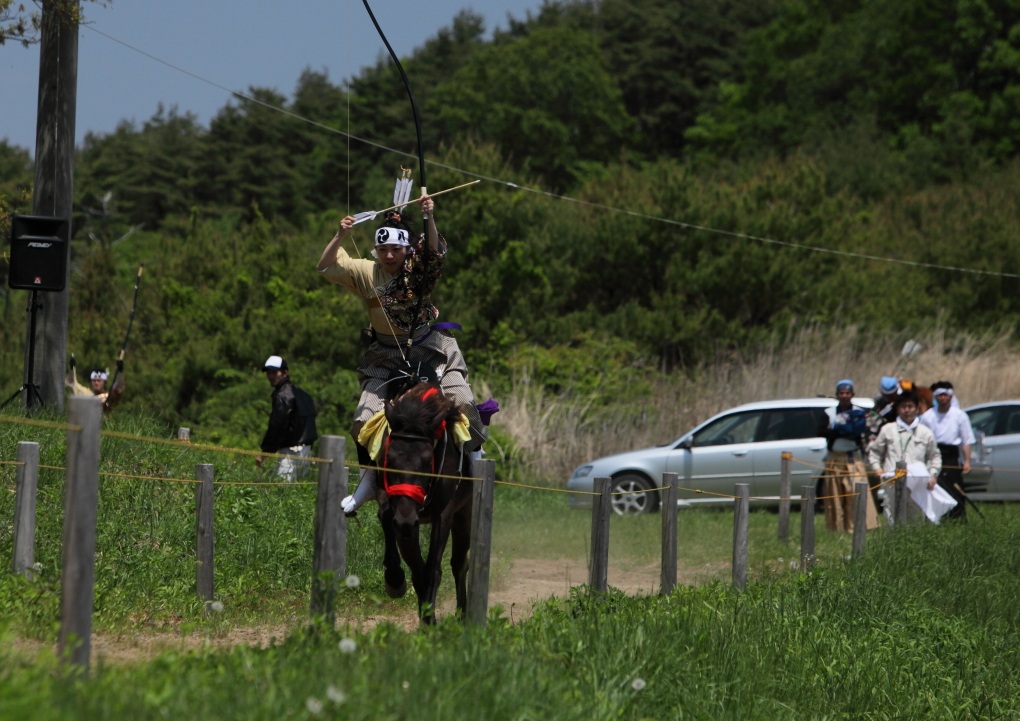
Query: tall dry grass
{"x": 553, "y": 434}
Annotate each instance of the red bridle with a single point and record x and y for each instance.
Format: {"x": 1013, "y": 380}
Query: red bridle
{"x": 412, "y": 491}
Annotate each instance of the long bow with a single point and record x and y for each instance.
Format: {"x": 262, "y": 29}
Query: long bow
{"x": 421, "y": 159}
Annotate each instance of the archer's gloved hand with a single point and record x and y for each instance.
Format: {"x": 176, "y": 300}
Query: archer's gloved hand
{"x": 120, "y": 365}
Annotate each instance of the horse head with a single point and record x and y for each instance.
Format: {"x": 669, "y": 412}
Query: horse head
{"x": 419, "y": 420}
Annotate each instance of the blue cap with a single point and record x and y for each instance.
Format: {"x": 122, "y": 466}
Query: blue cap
{"x": 845, "y": 385}
{"x": 889, "y": 384}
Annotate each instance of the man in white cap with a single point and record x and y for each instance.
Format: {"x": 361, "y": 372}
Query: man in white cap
{"x": 291, "y": 430}
{"x": 955, "y": 437}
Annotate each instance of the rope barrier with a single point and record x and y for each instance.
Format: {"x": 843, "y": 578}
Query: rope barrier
{"x": 40, "y": 424}
{"x": 186, "y": 443}
{"x": 193, "y": 481}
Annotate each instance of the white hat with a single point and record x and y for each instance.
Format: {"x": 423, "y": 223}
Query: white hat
{"x": 275, "y": 363}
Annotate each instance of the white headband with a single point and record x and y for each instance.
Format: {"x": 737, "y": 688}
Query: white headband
{"x": 99, "y": 375}
{"x": 391, "y": 236}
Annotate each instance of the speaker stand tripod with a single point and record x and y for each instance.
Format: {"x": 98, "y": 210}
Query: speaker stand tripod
{"x": 29, "y": 387}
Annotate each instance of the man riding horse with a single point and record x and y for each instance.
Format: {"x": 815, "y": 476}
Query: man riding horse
{"x": 403, "y": 339}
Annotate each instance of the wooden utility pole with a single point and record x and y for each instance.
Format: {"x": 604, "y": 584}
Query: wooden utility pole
{"x": 54, "y": 181}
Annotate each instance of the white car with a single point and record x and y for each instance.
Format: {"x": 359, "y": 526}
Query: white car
{"x": 740, "y": 445}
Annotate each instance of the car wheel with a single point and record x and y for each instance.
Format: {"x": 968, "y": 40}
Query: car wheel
{"x": 632, "y": 494}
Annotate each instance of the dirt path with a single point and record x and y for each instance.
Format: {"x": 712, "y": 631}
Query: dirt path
{"x": 528, "y": 582}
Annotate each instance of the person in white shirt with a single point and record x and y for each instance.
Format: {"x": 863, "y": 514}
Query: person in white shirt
{"x": 955, "y": 437}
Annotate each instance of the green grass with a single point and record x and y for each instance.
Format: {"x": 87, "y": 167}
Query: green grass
{"x": 529, "y": 523}
{"x": 925, "y": 625}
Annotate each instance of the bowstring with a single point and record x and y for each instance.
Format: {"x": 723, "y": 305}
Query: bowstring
{"x": 354, "y": 241}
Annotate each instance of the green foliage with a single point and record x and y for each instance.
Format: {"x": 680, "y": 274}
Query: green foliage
{"x": 924, "y": 626}
{"x": 851, "y": 130}
{"x": 145, "y": 538}
{"x": 931, "y": 75}
{"x": 546, "y": 98}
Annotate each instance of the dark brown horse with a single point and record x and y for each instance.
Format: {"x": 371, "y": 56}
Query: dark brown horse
{"x": 423, "y": 473}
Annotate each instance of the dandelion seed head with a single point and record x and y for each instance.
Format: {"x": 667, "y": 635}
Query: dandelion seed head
{"x": 37, "y": 566}
{"x": 405, "y": 685}
{"x": 335, "y": 695}
{"x": 216, "y": 606}
{"x": 313, "y": 705}
{"x": 353, "y": 581}
{"x": 637, "y": 684}
{"x": 348, "y": 645}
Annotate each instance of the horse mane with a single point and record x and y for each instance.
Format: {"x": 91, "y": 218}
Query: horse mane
{"x": 420, "y": 410}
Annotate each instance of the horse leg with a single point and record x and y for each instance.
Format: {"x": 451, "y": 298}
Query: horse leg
{"x": 410, "y": 550}
{"x": 452, "y": 504}
{"x": 393, "y": 573}
{"x": 433, "y": 567}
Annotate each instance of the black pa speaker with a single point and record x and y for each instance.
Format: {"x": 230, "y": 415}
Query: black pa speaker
{"x": 38, "y": 253}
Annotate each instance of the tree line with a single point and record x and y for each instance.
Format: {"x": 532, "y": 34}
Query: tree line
{"x": 668, "y": 182}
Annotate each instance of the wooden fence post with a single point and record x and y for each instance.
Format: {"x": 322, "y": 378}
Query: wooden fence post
{"x": 602, "y": 507}
{"x": 204, "y": 531}
{"x": 669, "y": 510}
{"x": 483, "y": 495}
{"x": 81, "y": 500}
{"x": 784, "y": 496}
{"x": 902, "y": 493}
{"x": 860, "y": 519}
{"x": 740, "y": 513}
{"x": 26, "y": 487}
{"x": 807, "y": 527}
{"x": 329, "y": 557}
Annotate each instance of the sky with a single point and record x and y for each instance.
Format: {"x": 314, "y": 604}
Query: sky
{"x": 125, "y": 53}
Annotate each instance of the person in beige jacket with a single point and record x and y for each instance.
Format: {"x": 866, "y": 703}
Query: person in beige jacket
{"x": 907, "y": 440}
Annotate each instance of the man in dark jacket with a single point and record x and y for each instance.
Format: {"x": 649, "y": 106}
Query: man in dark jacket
{"x": 291, "y": 428}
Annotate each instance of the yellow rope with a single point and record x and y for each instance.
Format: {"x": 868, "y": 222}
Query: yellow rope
{"x": 39, "y": 424}
{"x": 181, "y": 443}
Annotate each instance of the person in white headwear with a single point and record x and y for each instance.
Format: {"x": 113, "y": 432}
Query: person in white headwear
{"x": 98, "y": 379}
{"x": 396, "y": 289}
{"x": 291, "y": 430}
{"x": 955, "y": 437}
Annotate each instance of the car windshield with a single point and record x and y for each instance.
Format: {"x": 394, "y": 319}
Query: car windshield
{"x": 735, "y": 428}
